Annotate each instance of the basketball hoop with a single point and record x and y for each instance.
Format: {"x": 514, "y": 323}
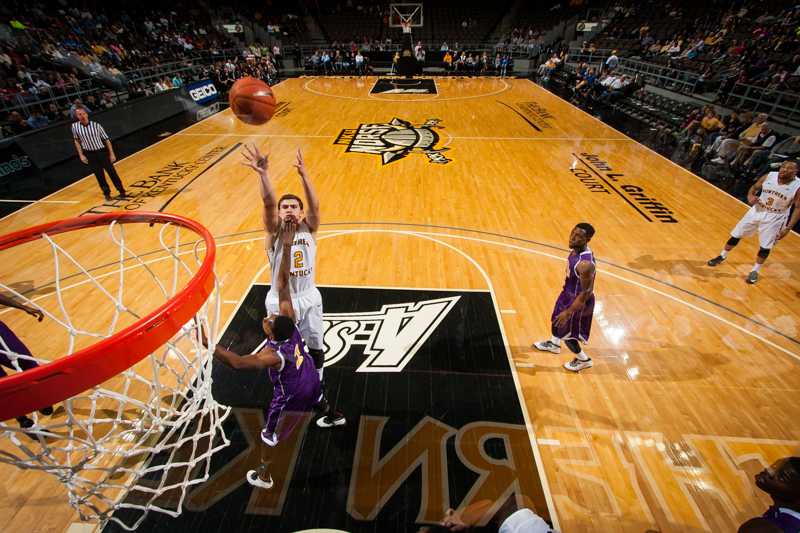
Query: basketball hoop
{"x": 140, "y": 392}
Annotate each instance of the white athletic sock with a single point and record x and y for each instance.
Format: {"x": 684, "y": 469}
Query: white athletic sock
{"x": 724, "y": 253}
{"x": 555, "y": 340}
{"x": 756, "y": 267}
{"x": 583, "y": 356}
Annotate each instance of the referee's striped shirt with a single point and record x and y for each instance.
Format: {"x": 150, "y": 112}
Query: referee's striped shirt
{"x": 92, "y": 136}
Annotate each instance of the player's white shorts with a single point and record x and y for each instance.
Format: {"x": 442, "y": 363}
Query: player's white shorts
{"x": 767, "y": 224}
{"x": 308, "y": 313}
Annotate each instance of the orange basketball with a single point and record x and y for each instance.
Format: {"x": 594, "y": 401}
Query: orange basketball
{"x": 252, "y": 101}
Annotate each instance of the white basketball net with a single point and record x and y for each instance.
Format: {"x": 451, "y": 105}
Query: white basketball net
{"x": 136, "y": 442}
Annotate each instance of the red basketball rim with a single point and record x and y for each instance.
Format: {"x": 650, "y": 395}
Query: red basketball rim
{"x": 51, "y": 383}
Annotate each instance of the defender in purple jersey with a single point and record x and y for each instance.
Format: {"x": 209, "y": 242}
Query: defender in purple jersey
{"x": 572, "y": 314}
{"x": 11, "y": 347}
{"x": 782, "y": 482}
{"x": 295, "y": 381}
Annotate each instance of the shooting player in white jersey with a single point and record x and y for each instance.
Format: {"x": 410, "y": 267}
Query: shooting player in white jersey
{"x": 769, "y": 214}
{"x": 306, "y": 298}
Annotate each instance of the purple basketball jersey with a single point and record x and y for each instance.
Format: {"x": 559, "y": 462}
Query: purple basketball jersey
{"x": 786, "y": 519}
{"x": 580, "y": 325}
{"x": 295, "y": 383}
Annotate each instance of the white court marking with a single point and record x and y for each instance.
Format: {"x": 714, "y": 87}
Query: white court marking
{"x": 484, "y": 241}
{"x": 12, "y": 201}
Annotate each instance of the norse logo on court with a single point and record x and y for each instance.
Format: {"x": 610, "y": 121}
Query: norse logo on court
{"x": 389, "y": 337}
{"x": 394, "y": 140}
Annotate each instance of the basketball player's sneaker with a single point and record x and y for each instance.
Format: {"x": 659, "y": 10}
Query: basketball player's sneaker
{"x": 752, "y": 277}
{"x": 332, "y": 419}
{"x": 717, "y": 260}
{"x": 270, "y": 439}
{"x": 547, "y": 346}
{"x": 254, "y": 479}
{"x": 576, "y": 365}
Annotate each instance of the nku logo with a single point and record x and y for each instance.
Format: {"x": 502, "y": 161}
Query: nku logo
{"x": 203, "y": 92}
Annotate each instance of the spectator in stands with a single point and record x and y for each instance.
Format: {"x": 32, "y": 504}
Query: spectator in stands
{"x": 17, "y": 125}
{"x": 444, "y": 47}
{"x": 447, "y": 60}
{"x": 747, "y": 137}
{"x": 765, "y": 140}
{"x": 420, "y": 53}
{"x": 763, "y": 161}
{"x": 359, "y": 63}
{"x": 612, "y": 61}
{"x": 37, "y": 119}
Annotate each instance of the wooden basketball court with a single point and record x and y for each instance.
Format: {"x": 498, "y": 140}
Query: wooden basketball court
{"x": 476, "y": 188}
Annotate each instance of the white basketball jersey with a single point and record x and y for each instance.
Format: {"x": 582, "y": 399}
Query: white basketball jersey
{"x": 304, "y": 252}
{"x": 776, "y": 197}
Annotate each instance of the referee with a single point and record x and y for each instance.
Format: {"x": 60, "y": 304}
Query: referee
{"x": 94, "y": 148}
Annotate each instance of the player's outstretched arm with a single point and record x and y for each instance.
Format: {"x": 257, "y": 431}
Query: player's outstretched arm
{"x": 266, "y": 358}
{"x": 312, "y": 215}
{"x": 260, "y": 163}
{"x": 284, "y": 292}
{"x": 5, "y": 300}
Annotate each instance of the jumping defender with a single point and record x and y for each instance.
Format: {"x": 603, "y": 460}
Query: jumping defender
{"x": 296, "y": 385}
{"x": 306, "y": 298}
{"x": 768, "y": 215}
{"x": 572, "y": 314}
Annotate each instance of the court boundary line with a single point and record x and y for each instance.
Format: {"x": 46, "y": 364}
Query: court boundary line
{"x": 629, "y": 270}
{"x": 668, "y": 160}
{"x": 387, "y": 287}
{"x": 480, "y": 232}
{"x": 42, "y": 201}
{"x": 454, "y": 137}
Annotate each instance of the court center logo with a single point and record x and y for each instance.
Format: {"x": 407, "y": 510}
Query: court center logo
{"x": 394, "y": 140}
{"x": 389, "y": 337}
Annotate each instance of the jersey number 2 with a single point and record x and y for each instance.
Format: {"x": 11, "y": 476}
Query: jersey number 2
{"x": 298, "y": 259}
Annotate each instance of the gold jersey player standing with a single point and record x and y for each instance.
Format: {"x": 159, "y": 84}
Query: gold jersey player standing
{"x": 768, "y": 216}
{"x": 306, "y": 298}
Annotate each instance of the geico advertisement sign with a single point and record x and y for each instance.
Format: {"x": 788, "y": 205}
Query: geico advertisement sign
{"x": 203, "y": 92}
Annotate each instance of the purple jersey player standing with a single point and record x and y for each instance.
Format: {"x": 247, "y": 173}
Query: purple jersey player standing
{"x": 572, "y": 314}
{"x": 295, "y": 381}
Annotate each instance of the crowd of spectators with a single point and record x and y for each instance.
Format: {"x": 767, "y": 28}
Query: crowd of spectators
{"x": 732, "y": 149}
{"x": 354, "y": 59}
{"x": 52, "y": 52}
{"x": 527, "y": 40}
{"x": 748, "y": 43}
{"x": 603, "y": 86}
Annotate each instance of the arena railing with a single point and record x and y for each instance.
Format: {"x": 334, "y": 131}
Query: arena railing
{"x": 783, "y": 106}
{"x": 777, "y": 104}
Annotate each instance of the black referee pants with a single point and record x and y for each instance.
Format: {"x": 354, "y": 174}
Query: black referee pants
{"x": 100, "y": 163}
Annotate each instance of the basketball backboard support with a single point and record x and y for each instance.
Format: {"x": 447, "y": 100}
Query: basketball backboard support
{"x": 405, "y": 13}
